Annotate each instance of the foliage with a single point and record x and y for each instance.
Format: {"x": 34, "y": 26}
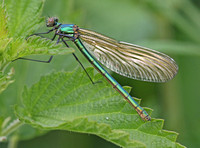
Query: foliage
{"x": 175, "y": 23}
{"x": 13, "y": 44}
{"x": 12, "y": 39}
{"x": 68, "y": 101}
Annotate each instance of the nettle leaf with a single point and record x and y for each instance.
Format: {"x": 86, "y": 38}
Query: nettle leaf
{"x": 68, "y": 101}
{"x": 34, "y": 45}
{"x": 18, "y": 20}
{"x": 21, "y": 19}
{"x": 24, "y": 16}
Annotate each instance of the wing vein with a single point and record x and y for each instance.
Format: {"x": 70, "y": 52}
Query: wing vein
{"x": 129, "y": 60}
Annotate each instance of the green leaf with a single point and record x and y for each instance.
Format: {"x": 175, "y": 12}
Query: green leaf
{"x": 17, "y": 21}
{"x": 24, "y": 16}
{"x": 3, "y": 29}
{"x": 6, "y": 79}
{"x": 68, "y": 101}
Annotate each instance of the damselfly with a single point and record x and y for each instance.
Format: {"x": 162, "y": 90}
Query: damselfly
{"x": 127, "y": 59}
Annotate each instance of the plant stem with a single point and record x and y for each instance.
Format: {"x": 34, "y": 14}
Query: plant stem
{"x": 12, "y": 127}
{"x": 13, "y": 141}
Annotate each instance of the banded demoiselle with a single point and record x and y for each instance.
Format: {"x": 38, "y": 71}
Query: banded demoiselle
{"x": 126, "y": 59}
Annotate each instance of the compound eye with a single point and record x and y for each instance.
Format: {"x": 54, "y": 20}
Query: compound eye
{"x": 50, "y": 22}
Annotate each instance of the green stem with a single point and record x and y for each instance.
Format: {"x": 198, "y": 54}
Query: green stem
{"x": 12, "y": 127}
{"x": 13, "y": 141}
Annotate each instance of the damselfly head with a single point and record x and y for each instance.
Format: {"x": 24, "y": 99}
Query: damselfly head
{"x": 51, "y": 21}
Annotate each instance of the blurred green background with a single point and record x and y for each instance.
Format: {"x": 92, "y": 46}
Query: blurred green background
{"x": 171, "y": 26}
